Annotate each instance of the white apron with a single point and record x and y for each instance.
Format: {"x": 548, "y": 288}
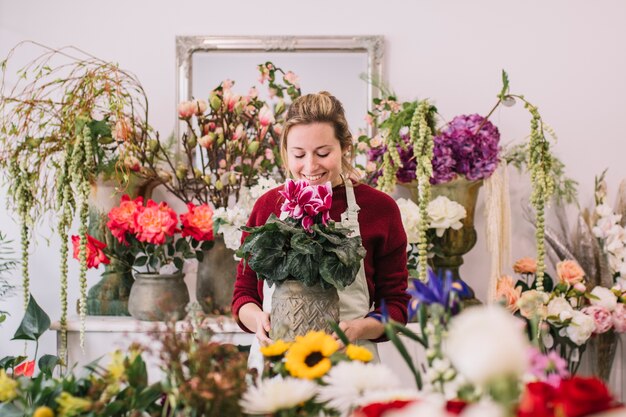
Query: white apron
{"x": 354, "y": 300}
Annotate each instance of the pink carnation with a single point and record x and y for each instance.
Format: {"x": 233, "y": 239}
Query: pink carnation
{"x": 601, "y": 317}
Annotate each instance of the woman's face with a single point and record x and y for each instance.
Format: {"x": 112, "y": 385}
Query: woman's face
{"x": 314, "y": 153}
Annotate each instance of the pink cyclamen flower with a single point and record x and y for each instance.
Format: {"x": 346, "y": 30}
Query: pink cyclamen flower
{"x": 601, "y": 317}
{"x": 619, "y": 318}
{"x": 156, "y": 222}
{"x": 291, "y": 192}
{"x": 326, "y": 196}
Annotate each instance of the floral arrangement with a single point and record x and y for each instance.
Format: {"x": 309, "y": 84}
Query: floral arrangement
{"x": 149, "y": 235}
{"x": 69, "y": 119}
{"x": 318, "y": 375}
{"x": 443, "y": 214}
{"x": 231, "y": 140}
{"x": 306, "y": 245}
{"x": 571, "y": 313}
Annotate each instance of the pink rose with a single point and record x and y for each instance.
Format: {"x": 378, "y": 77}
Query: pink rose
{"x": 569, "y": 272}
{"x": 156, "y": 222}
{"x": 601, "y": 317}
{"x": 198, "y": 222}
{"x": 525, "y": 266}
{"x": 505, "y": 290}
{"x": 619, "y": 318}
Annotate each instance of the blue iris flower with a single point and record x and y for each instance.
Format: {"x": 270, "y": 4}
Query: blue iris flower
{"x": 437, "y": 290}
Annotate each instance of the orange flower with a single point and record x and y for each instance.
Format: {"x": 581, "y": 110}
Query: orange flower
{"x": 156, "y": 222}
{"x": 570, "y": 272}
{"x": 506, "y": 291}
{"x": 525, "y": 266}
{"x": 123, "y": 218}
{"x": 26, "y": 368}
{"x": 198, "y": 222}
{"x": 95, "y": 255}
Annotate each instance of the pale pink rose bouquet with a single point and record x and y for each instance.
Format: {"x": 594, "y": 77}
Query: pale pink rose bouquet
{"x": 306, "y": 245}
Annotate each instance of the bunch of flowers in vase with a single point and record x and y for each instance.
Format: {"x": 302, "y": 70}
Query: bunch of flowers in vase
{"x": 303, "y": 248}
{"x": 565, "y": 315}
{"x": 69, "y": 120}
{"x": 152, "y": 243}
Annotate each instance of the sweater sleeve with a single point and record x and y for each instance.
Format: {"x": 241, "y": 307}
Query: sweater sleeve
{"x": 390, "y": 272}
{"x": 248, "y": 289}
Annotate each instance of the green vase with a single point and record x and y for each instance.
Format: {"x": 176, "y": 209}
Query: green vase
{"x": 454, "y": 243}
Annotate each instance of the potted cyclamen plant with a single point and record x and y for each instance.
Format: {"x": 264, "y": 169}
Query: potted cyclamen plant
{"x": 307, "y": 256}
{"x": 149, "y": 236}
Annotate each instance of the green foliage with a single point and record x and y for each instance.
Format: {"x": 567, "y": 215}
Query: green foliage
{"x": 281, "y": 250}
{"x": 34, "y": 323}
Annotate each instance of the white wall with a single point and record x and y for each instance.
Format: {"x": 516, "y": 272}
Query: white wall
{"x": 566, "y": 56}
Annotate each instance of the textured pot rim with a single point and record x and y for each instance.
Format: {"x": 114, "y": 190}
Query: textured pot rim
{"x": 152, "y": 276}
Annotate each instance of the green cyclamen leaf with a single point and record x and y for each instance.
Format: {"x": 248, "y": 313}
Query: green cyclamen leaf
{"x": 34, "y": 323}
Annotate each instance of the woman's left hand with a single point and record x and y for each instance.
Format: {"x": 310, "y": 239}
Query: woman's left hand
{"x": 363, "y": 328}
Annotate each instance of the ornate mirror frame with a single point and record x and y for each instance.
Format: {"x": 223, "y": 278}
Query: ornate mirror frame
{"x": 186, "y": 46}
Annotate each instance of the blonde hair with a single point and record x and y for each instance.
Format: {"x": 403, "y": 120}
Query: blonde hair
{"x": 321, "y": 107}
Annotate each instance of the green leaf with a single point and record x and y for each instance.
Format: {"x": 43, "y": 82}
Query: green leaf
{"x": 200, "y": 255}
{"x": 10, "y": 410}
{"x": 137, "y": 373}
{"x": 140, "y": 261}
{"x": 505, "y": 86}
{"x": 391, "y": 335}
{"x": 408, "y": 333}
{"x": 178, "y": 263}
{"x": 207, "y": 245}
{"x": 10, "y": 361}
{"x": 181, "y": 245}
{"x": 148, "y": 396}
{"x": 335, "y": 273}
{"x": 47, "y": 364}
{"x": 34, "y": 323}
{"x": 304, "y": 268}
{"x": 342, "y": 336}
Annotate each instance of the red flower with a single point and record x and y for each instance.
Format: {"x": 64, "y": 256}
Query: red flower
{"x": 537, "y": 400}
{"x": 455, "y": 406}
{"x": 579, "y": 397}
{"x": 198, "y": 222}
{"x": 156, "y": 222}
{"x": 95, "y": 255}
{"x": 123, "y": 218}
{"x": 26, "y": 368}
{"x": 378, "y": 409}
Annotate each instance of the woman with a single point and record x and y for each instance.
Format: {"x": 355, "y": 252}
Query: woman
{"x": 316, "y": 145}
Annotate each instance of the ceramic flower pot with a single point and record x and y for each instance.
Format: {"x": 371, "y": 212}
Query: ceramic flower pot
{"x": 298, "y": 309}
{"x": 158, "y": 297}
{"x": 216, "y": 278}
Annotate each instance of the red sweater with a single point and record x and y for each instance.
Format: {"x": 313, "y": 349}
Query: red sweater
{"x": 383, "y": 238}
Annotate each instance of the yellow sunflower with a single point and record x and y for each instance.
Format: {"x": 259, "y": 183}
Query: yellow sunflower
{"x": 359, "y": 353}
{"x": 308, "y": 356}
{"x": 275, "y": 349}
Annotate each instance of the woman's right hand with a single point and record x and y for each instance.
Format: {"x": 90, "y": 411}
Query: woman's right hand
{"x": 262, "y": 328}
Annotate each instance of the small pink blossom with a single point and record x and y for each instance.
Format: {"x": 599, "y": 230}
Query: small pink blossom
{"x": 266, "y": 116}
{"x": 369, "y": 120}
{"x": 601, "y": 317}
{"x": 253, "y": 93}
{"x": 272, "y": 92}
{"x": 131, "y": 162}
{"x": 619, "y": 318}
{"x": 291, "y": 78}
{"x": 238, "y": 133}
{"x": 206, "y": 141}
{"x": 222, "y": 163}
{"x": 580, "y": 287}
{"x": 269, "y": 155}
{"x": 278, "y": 129}
{"x": 549, "y": 367}
{"x": 371, "y": 166}
{"x": 227, "y": 84}
{"x": 186, "y": 109}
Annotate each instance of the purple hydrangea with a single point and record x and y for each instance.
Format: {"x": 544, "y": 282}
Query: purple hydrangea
{"x": 461, "y": 149}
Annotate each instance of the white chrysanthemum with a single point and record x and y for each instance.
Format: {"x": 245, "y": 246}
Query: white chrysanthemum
{"x": 580, "y": 328}
{"x": 272, "y": 395}
{"x": 347, "y": 382}
{"x": 409, "y": 211}
{"x": 485, "y": 343}
{"x": 444, "y": 214}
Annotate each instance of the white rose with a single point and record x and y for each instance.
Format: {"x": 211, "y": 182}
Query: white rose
{"x": 409, "y": 211}
{"x": 560, "y": 307}
{"x": 445, "y": 213}
{"x": 487, "y": 342}
{"x": 605, "y": 299}
{"x": 580, "y": 328}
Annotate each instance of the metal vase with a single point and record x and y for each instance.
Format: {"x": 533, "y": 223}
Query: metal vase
{"x": 298, "y": 309}
{"x": 216, "y": 278}
{"x": 158, "y": 297}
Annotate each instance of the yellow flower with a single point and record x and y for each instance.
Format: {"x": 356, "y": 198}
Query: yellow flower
{"x": 70, "y": 406}
{"x": 308, "y": 357}
{"x": 359, "y": 353}
{"x": 43, "y": 411}
{"x": 275, "y": 349}
{"x": 116, "y": 368}
{"x": 8, "y": 387}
